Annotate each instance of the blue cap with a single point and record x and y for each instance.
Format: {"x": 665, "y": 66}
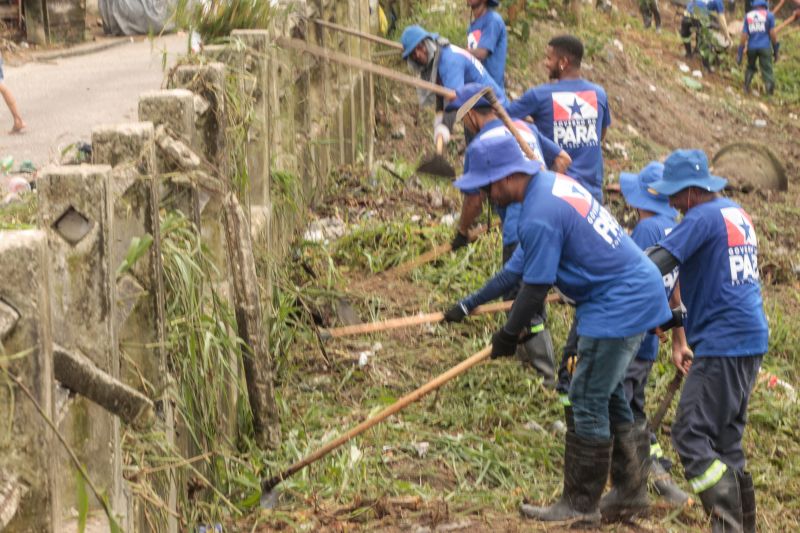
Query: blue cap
{"x": 464, "y": 93}
{"x": 493, "y": 3}
{"x": 491, "y": 159}
{"x": 638, "y": 193}
{"x": 687, "y": 168}
{"x": 759, "y": 3}
{"x": 412, "y": 36}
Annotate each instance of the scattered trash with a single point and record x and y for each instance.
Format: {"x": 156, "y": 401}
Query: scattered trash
{"x": 773, "y": 381}
{"x": 415, "y": 218}
{"x": 377, "y": 347}
{"x": 697, "y": 74}
{"x": 26, "y": 167}
{"x": 76, "y": 153}
{"x": 421, "y": 448}
{"x": 6, "y": 163}
{"x": 399, "y": 132}
{"x": 435, "y": 199}
{"x": 324, "y": 230}
{"x": 652, "y": 88}
{"x": 760, "y": 123}
{"x": 534, "y": 426}
{"x": 216, "y": 528}
{"x": 619, "y": 150}
{"x": 355, "y": 455}
{"x": 396, "y": 99}
{"x": 633, "y": 131}
{"x": 618, "y": 44}
{"x": 449, "y": 219}
{"x": 363, "y": 358}
{"x": 558, "y": 427}
{"x": 692, "y": 83}
{"x": 684, "y": 68}
{"x": 763, "y": 107}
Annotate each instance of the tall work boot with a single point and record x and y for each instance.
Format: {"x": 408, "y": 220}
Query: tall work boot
{"x": 538, "y": 352}
{"x": 586, "y": 466}
{"x": 770, "y": 87}
{"x": 748, "y": 495}
{"x": 665, "y": 486}
{"x": 630, "y": 463}
{"x": 722, "y": 502}
{"x": 748, "y": 79}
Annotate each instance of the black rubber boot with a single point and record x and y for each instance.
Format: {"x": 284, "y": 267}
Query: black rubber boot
{"x": 538, "y": 352}
{"x": 748, "y": 494}
{"x": 657, "y": 16}
{"x": 770, "y": 89}
{"x": 569, "y": 418}
{"x": 723, "y": 504}
{"x": 630, "y": 464}
{"x": 688, "y": 48}
{"x": 586, "y": 465}
{"x": 748, "y": 79}
{"x": 665, "y": 486}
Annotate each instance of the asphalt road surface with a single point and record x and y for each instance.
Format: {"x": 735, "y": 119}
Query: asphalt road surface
{"x": 63, "y": 99}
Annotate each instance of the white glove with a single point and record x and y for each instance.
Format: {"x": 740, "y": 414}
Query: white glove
{"x": 441, "y": 131}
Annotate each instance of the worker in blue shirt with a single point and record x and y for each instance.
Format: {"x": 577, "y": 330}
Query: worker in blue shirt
{"x": 487, "y": 38}
{"x": 434, "y": 59}
{"x": 481, "y": 122}
{"x": 571, "y": 111}
{"x": 716, "y": 246}
{"x": 761, "y": 40}
{"x": 701, "y": 16}
{"x": 567, "y": 239}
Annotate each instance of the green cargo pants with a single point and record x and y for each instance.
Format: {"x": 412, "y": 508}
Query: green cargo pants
{"x": 764, "y": 58}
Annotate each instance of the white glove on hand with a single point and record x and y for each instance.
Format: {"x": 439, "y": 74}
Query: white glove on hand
{"x": 441, "y": 131}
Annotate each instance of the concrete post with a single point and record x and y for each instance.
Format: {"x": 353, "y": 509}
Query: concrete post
{"x": 27, "y": 469}
{"x": 74, "y": 213}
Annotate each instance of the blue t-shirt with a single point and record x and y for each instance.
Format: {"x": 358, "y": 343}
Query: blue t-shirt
{"x": 573, "y": 113}
{"x": 569, "y": 240}
{"x": 489, "y": 32}
{"x": 543, "y": 148}
{"x": 647, "y": 233}
{"x": 457, "y": 67}
{"x": 717, "y": 248}
{"x": 757, "y": 25}
{"x": 705, "y": 6}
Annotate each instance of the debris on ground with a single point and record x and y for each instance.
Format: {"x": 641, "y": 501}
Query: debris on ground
{"x": 325, "y": 230}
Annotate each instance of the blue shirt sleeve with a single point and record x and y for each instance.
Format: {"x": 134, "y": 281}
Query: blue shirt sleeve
{"x": 523, "y": 106}
{"x": 717, "y": 5}
{"x": 770, "y": 21}
{"x": 645, "y": 235}
{"x": 451, "y": 69}
{"x": 496, "y": 287}
{"x": 490, "y": 34}
{"x": 549, "y": 149}
{"x": 687, "y": 237}
{"x": 541, "y": 244}
{"x": 745, "y": 27}
{"x": 606, "y": 111}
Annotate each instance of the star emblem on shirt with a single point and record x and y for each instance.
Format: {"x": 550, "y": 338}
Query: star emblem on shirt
{"x": 575, "y": 108}
{"x": 745, "y": 228}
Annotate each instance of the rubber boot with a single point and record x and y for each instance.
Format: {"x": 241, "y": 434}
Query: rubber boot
{"x": 645, "y": 11}
{"x": 569, "y": 418}
{"x": 748, "y": 495}
{"x": 665, "y": 486}
{"x": 586, "y": 465}
{"x": 723, "y": 503}
{"x": 688, "y": 48}
{"x": 748, "y": 79}
{"x": 538, "y": 352}
{"x": 630, "y": 464}
{"x": 770, "y": 87}
{"x": 657, "y": 17}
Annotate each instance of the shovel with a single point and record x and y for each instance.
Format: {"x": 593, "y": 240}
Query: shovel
{"x": 269, "y": 497}
{"x": 435, "y": 164}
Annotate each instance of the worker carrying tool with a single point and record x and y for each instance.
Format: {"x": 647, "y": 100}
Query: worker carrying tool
{"x": 656, "y": 221}
{"x": 571, "y": 111}
{"x": 716, "y": 247}
{"x": 703, "y": 16}
{"x": 618, "y": 292}
{"x": 434, "y": 59}
{"x": 481, "y": 121}
{"x": 760, "y": 38}
{"x": 487, "y": 38}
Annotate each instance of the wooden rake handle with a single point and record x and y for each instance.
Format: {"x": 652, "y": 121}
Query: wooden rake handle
{"x": 508, "y": 123}
{"x": 416, "y": 320}
{"x": 356, "y": 33}
{"x": 672, "y": 388}
{"x": 410, "y": 398}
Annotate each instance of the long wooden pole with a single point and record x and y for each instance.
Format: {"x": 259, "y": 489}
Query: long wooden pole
{"x": 269, "y": 484}
{"x": 415, "y": 320}
{"x": 356, "y": 33}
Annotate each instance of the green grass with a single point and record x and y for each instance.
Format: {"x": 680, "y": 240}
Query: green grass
{"x": 21, "y": 214}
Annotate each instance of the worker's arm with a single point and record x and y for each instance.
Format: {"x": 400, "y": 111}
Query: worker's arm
{"x": 500, "y": 284}
{"x": 528, "y": 303}
{"x": 603, "y": 135}
{"x": 723, "y": 23}
{"x": 777, "y": 7}
{"x": 561, "y": 163}
{"x": 742, "y": 45}
{"x": 480, "y": 53}
{"x": 681, "y": 352}
{"x": 664, "y": 260}
{"x": 470, "y": 209}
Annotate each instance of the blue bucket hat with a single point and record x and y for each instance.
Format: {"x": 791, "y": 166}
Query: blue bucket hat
{"x": 687, "y": 168}
{"x": 493, "y": 3}
{"x": 412, "y": 36}
{"x": 491, "y": 159}
{"x": 759, "y": 3}
{"x": 637, "y": 192}
{"x": 464, "y": 93}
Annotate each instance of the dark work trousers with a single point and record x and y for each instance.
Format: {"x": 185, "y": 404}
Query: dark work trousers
{"x": 764, "y": 58}
{"x": 635, "y": 383}
{"x": 712, "y": 413}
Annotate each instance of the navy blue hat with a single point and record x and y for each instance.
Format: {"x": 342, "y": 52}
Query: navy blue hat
{"x": 759, "y": 3}
{"x": 638, "y": 193}
{"x": 412, "y": 36}
{"x": 493, "y": 3}
{"x": 491, "y": 159}
{"x": 464, "y": 93}
{"x": 687, "y": 168}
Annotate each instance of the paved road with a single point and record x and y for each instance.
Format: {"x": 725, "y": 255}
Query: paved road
{"x": 62, "y": 100}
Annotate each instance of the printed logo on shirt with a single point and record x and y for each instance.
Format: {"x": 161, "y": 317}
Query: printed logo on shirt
{"x": 575, "y": 119}
{"x": 670, "y": 278}
{"x": 742, "y": 245}
{"x": 526, "y": 134}
{"x": 582, "y": 201}
{"x": 472, "y": 59}
{"x": 757, "y": 21}
{"x": 473, "y": 38}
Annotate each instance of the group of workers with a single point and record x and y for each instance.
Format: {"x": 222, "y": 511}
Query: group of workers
{"x": 698, "y": 277}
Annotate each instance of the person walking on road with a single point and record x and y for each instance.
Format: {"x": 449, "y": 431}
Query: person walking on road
{"x": 716, "y": 247}
{"x": 19, "y": 124}
{"x": 487, "y": 38}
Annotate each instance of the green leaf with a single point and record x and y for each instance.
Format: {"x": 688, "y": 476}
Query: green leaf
{"x": 137, "y": 248}
{"x": 83, "y": 501}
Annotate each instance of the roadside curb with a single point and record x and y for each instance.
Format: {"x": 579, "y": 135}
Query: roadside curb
{"x": 82, "y": 49}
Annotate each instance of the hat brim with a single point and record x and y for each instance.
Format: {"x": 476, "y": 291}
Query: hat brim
{"x": 636, "y": 198}
{"x": 710, "y": 183}
{"x": 411, "y": 47}
{"x": 476, "y": 180}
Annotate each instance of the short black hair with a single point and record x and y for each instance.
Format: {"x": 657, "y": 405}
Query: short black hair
{"x": 569, "y": 46}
